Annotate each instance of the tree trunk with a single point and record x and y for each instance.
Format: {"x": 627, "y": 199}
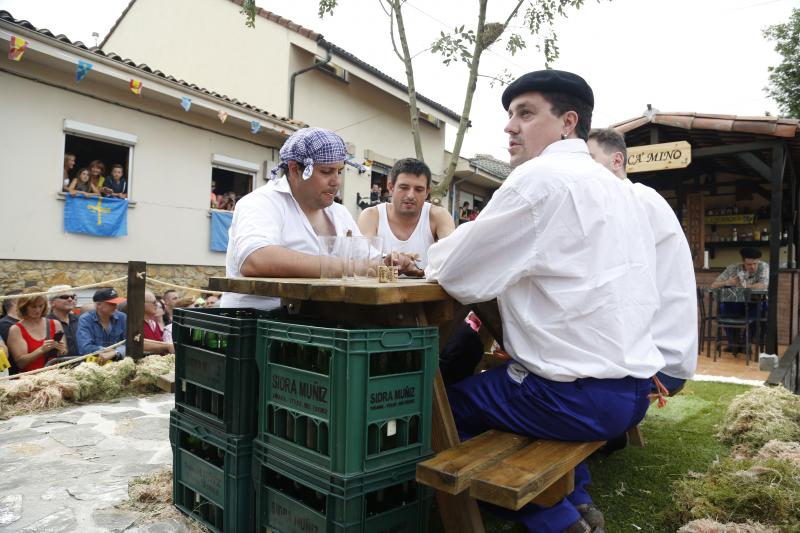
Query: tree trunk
{"x": 440, "y": 189}
{"x": 412, "y": 91}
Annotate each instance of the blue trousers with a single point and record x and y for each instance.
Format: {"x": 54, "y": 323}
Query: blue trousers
{"x": 520, "y": 402}
{"x": 673, "y": 385}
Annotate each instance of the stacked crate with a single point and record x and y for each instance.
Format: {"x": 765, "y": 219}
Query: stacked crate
{"x": 344, "y": 417}
{"x": 215, "y": 416}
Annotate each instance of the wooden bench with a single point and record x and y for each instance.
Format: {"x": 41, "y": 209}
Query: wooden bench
{"x": 507, "y": 470}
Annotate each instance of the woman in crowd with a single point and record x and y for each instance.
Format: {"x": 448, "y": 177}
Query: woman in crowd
{"x": 160, "y": 312}
{"x": 32, "y": 340}
{"x": 97, "y": 169}
{"x": 82, "y": 183}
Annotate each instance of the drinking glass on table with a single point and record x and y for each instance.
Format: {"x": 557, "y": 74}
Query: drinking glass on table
{"x": 365, "y": 256}
{"x": 332, "y": 256}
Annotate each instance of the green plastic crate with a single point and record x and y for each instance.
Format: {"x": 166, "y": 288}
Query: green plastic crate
{"x": 348, "y": 400}
{"x": 211, "y": 475}
{"x": 216, "y": 378}
{"x": 293, "y": 496}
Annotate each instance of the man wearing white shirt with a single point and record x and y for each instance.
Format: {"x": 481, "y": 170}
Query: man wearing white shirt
{"x": 275, "y": 228}
{"x": 566, "y": 249}
{"x": 674, "y": 326}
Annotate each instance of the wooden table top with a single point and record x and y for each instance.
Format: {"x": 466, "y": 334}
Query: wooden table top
{"x": 367, "y": 292}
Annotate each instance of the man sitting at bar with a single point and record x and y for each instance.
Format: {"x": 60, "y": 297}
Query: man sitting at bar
{"x": 751, "y": 273}
{"x": 673, "y": 327}
{"x": 566, "y": 249}
{"x": 275, "y": 228}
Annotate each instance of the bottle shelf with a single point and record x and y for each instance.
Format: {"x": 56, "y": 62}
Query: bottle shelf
{"x": 740, "y": 244}
{"x": 730, "y": 219}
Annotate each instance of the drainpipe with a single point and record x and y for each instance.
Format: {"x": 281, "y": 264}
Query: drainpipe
{"x": 453, "y": 201}
{"x": 302, "y": 71}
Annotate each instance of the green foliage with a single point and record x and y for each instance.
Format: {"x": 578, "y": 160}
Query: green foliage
{"x": 326, "y": 6}
{"x": 785, "y": 78}
{"x": 249, "y": 10}
{"x": 453, "y": 47}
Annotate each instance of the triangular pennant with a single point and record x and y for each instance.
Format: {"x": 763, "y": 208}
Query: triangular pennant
{"x": 83, "y": 69}
{"x": 136, "y": 87}
{"x": 254, "y": 126}
{"x": 223, "y": 116}
{"x": 16, "y": 47}
{"x": 186, "y": 103}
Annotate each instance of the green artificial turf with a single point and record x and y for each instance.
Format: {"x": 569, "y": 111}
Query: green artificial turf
{"x": 634, "y": 487}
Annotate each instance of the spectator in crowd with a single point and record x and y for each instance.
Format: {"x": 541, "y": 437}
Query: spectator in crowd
{"x": 34, "y": 340}
{"x": 82, "y": 183}
{"x": 212, "y": 300}
{"x": 463, "y": 213}
{"x": 186, "y": 301}
{"x": 474, "y": 214}
{"x": 69, "y": 164}
{"x": 275, "y": 228}
{"x": 213, "y": 194}
{"x": 61, "y": 306}
{"x": 160, "y": 312}
{"x": 10, "y": 317}
{"x": 226, "y": 201}
{"x": 97, "y": 170}
{"x": 85, "y": 308}
{"x": 103, "y": 326}
{"x": 199, "y": 302}
{"x": 5, "y": 359}
{"x": 375, "y": 195}
{"x": 117, "y": 186}
{"x": 153, "y": 333}
{"x": 170, "y": 297}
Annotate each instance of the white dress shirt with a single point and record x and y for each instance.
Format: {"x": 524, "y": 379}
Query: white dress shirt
{"x": 675, "y": 324}
{"x": 566, "y": 249}
{"x": 270, "y": 216}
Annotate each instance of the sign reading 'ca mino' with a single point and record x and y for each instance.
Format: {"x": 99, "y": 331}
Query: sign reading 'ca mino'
{"x": 658, "y": 157}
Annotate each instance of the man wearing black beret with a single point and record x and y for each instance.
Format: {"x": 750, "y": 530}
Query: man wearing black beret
{"x": 566, "y": 249}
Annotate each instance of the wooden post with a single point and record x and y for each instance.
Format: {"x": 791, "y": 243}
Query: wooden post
{"x": 778, "y": 165}
{"x": 696, "y": 227}
{"x": 137, "y": 275}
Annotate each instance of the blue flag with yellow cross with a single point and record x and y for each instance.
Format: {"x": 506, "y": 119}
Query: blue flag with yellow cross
{"x": 96, "y": 215}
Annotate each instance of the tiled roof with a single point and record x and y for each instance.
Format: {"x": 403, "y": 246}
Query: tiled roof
{"x": 773, "y": 126}
{"x": 493, "y": 166}
{"x": 5, "y": 16}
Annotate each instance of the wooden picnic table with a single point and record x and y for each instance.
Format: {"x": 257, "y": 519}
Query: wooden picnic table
{"x": 407, "y": 302}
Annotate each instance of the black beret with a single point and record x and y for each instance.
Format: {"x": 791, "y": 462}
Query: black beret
{"x": 554, "y": 81}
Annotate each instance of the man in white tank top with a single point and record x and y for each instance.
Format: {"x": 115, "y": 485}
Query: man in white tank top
{"x": 409, "y": 224}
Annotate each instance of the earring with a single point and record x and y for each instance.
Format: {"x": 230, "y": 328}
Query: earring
{"x": 563, "y": 136}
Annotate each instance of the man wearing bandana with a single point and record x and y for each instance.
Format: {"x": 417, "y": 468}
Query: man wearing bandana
{"x": 275, "y": 228}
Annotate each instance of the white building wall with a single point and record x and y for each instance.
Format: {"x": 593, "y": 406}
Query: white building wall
{"x": 170, "y": 182}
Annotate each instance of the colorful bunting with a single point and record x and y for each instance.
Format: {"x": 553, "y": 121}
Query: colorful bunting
{"x": 223, "y": 116}
{"x": 254, "y": 126}
{"x": 83, "y": 69}
{"x": 186, "y": 103}
{"x": 136, "y": 87}
{"x": 16, "y": 47}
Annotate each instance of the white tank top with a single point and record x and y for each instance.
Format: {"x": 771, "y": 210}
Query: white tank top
{"x": 417, "y": 243}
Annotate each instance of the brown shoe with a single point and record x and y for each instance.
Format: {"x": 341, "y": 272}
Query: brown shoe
{"x": 591, "y": 515}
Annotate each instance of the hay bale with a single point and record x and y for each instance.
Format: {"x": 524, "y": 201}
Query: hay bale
{"x": 766, "y": 490}
{"x": 103, "y": 382}
{"x": 151, "y": 495}
{"x": 46, "y": 390}
{"x": 148, "y": 371}
{"x": 760, "y": 415}
{"x": 775, "y": 449}
{"x": 705, "y": 525}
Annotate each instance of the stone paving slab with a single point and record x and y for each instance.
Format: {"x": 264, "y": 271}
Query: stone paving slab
{"x": 65, "y": 471}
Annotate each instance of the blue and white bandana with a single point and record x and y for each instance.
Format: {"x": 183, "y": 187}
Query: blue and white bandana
{"x": 309, "y": 146}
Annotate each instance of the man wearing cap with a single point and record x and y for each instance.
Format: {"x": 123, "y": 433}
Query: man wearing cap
{"x": 104, "y": 326}
{"x": 62, "y": 302}
{"x": 275, "y": 228}
{"x": 566, "y": 250}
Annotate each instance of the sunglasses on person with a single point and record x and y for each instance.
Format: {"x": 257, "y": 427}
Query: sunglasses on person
{"x": 67, "y": 297}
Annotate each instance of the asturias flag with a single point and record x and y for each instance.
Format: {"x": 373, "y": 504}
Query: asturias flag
{"x": 220, "y": 224}
{"x": 104, "y": 217}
